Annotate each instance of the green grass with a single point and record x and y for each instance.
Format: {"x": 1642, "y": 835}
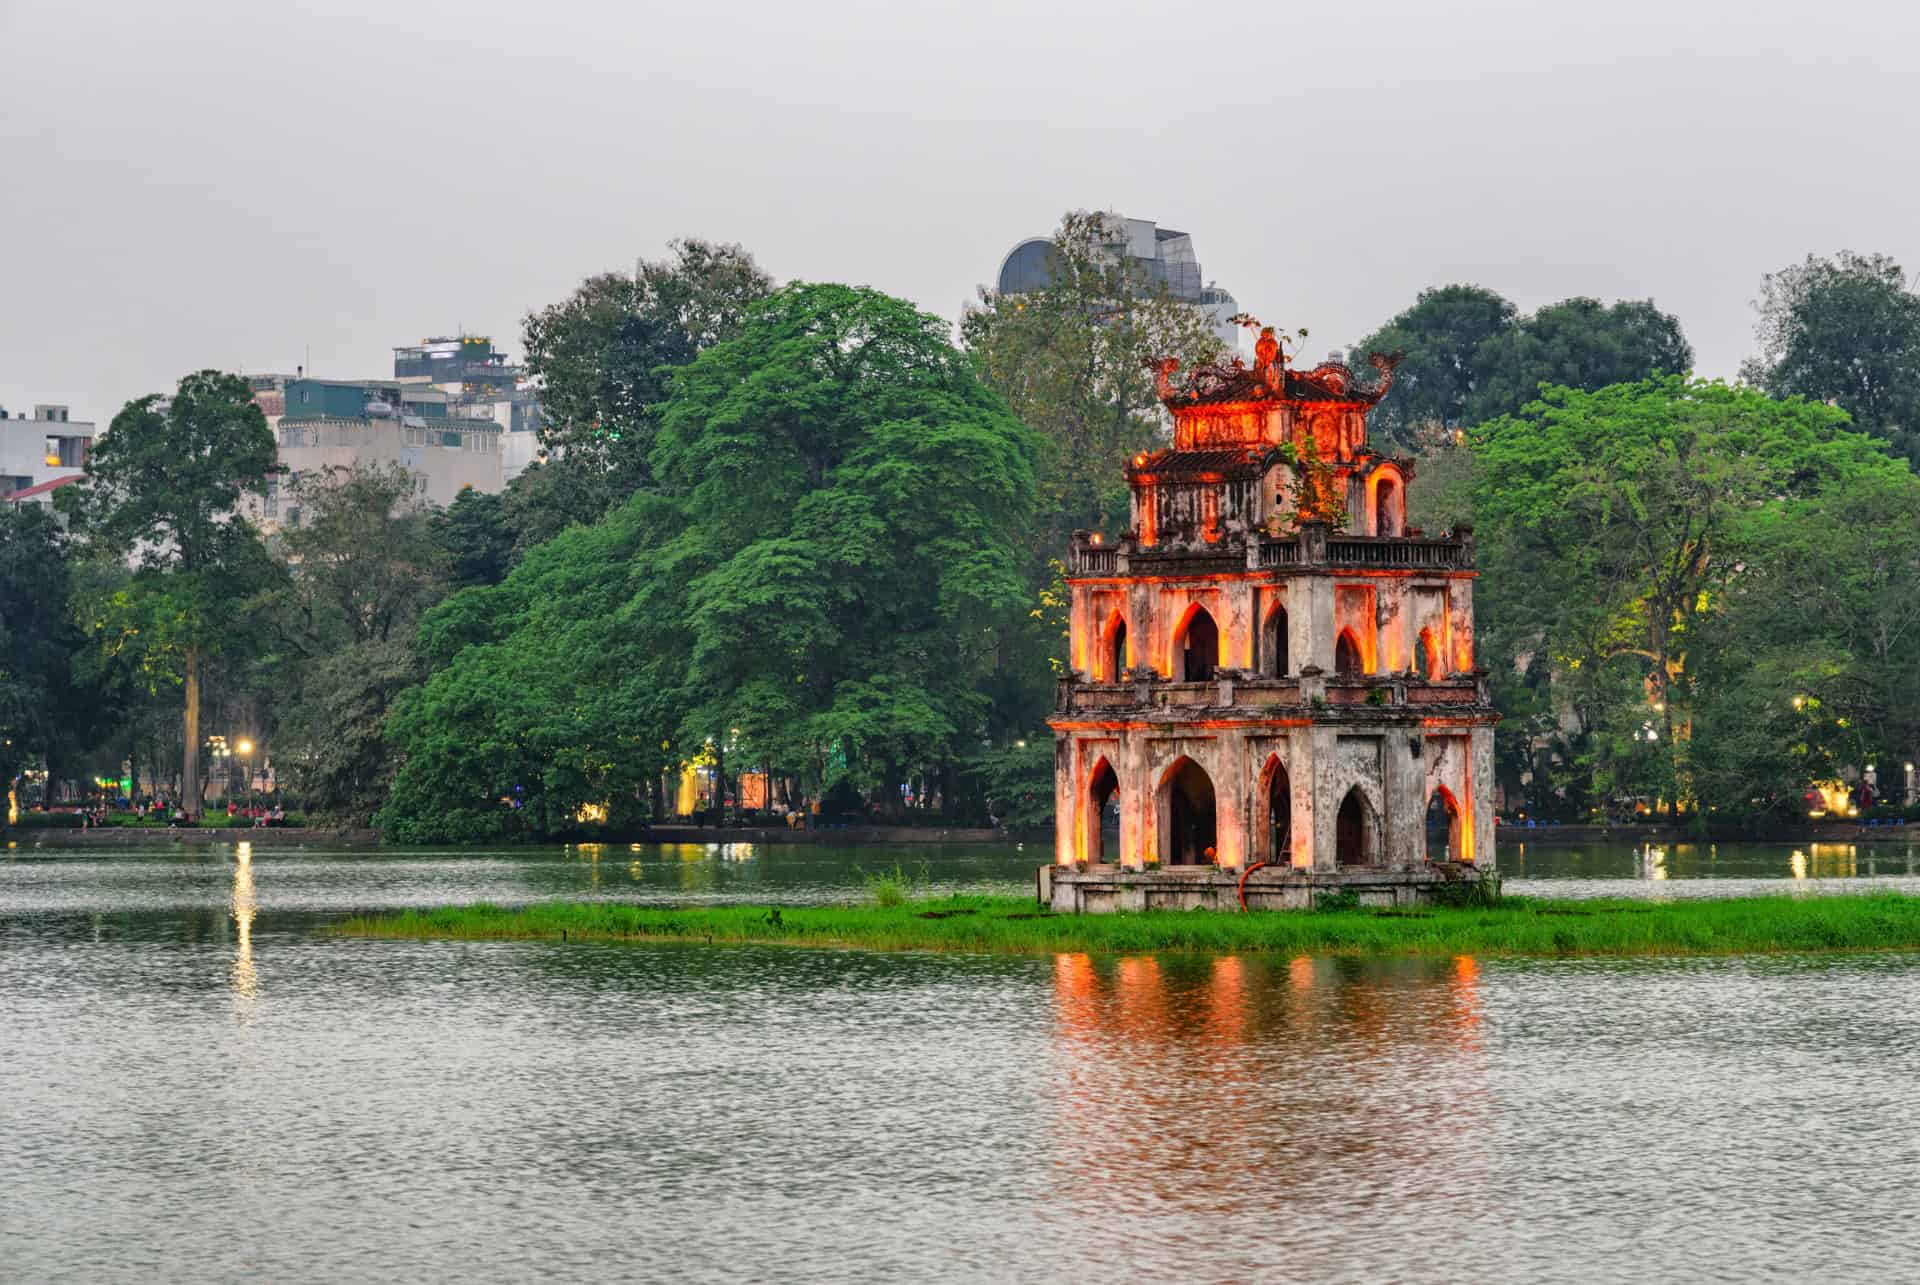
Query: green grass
{"x": 1517, "y": 926}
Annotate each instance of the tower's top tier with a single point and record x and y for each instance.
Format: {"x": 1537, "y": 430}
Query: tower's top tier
{"x": 1263, "y": 405}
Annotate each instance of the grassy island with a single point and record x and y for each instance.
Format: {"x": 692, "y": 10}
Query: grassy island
{"x": 1513, "y": 926}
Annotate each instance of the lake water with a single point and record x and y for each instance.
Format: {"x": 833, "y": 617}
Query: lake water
{"x": 197, "y": 1084}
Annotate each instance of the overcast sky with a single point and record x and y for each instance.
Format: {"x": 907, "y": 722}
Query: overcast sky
{"x": 201, "y": 183}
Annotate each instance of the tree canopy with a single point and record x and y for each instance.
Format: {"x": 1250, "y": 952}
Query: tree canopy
{"x": 1845, "y": 330}
{"x": 1667, "y": 502}
{"x": 163, "y": 485}
{"x": 1576, "y": 343}
{"x": 605, "y": 354}
{"x": 819, "y": 584}
{"x": 1470, "y": 356}
{"x": 1441, "y": 336}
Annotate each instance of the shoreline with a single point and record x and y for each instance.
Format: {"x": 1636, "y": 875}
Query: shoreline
{"x": 107, "y": 836}
{"x": 1520, "y": 927}
{"x": 862, "y": 836}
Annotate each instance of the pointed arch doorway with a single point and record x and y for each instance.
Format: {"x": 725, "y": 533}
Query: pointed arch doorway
{"x": 1103, "y": 787}
{"x": 1197, "y": 648}
{"x": 1356, "y": 832}
{"x": 1273, "y": 826}
{"x": 1188, "y": 828}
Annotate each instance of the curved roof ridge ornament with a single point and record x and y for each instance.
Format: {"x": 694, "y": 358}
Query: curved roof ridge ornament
{"x": 1386, "y": 363}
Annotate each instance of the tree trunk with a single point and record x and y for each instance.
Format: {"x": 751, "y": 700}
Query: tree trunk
{"x": 190, "y": 732}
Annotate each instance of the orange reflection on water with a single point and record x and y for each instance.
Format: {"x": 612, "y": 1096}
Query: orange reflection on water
{"x": 1230, "y": 1081}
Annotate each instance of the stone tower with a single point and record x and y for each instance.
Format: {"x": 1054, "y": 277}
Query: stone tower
{"x": 1272, "y": 676}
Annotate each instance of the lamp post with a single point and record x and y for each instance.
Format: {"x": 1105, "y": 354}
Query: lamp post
{"x": 246, "y": 753}
{"x": 220, "y": 750}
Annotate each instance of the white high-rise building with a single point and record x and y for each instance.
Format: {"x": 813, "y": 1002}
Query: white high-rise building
{"x": 1161, "y": 255}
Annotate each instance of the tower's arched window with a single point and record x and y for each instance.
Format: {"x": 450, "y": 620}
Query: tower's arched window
{"x": 1113, "y": 657}
{"x": 1188, "y": 807}
{"x": 1356, "y": 834}
{"x": 1426, "y": 664}
{"x": 1102, "y": 788}
{"x": 1347, "y": 662}
{"x": 1198, "y": 648}
{"x": 1273, "y": 644}
{"x": 1386, "y": 508}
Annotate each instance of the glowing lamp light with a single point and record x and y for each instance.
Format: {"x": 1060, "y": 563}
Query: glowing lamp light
{"x": 246, "y": 747}
{"x": 1095, "y": 538}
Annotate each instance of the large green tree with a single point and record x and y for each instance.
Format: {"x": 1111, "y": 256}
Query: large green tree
{"x": 1653, "y": 498}
{"x": 821, "y": 584}
{"x": 1576, "y": 343}
{"x": 1441, "y": 337}
{"x": 366, "y": 564}
{"x": 855, "y": 503}
{"x": 1845, "y": 330}
{"x": 163, "y": 486}
{"x": 1072, "y": 360}
{"x": 1815, "y": 660}
{"x": 604, "y": 356}
{"x": 37, "y": 638}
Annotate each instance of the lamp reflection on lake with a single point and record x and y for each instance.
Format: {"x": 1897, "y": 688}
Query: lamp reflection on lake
{"x": 245, "y": 981}
{"x": 1797, "y": 863}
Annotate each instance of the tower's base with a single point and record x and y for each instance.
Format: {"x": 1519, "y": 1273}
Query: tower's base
{"x": 1100, "y": 889}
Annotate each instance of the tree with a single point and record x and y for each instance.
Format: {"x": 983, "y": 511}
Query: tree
{"x": 1646, "y": 495}
{"x": 475, "y": 535}
{"x": 1815, "y": 662}
{"x": 820, "y": 584}
{"x": 1071, "y": 359}
{"x": 1844, "y": 330}
{"x": 552, "y": 691}
{"x": 367, "y": 563}
{"x": 164, "y": 485}
{"x": 1576, "y": 343}
{"x": 1442, "y": 336}
{"x": 855, "y": 500}
{"x": 37, "y": 638}
{"x": 603, "y": 357}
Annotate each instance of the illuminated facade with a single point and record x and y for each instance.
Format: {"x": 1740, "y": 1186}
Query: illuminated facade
{"x": 1272, "y": 675}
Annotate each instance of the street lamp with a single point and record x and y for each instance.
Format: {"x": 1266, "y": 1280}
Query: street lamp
{"x": 246, "y": 752}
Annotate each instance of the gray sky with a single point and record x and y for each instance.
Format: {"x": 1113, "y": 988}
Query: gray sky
{"x": 204, "y": 183}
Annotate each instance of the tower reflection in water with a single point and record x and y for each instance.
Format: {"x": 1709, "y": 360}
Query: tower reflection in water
{"x": 1227, "y": 1083}
{"x": 245, "y": 981}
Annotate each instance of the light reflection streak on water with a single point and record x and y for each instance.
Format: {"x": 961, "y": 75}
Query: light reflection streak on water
{"x": 243, "y": 906}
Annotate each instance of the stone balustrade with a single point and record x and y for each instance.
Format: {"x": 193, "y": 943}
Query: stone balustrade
{"x": 1139, "y": 695}
{"x": 1306, "y": 550}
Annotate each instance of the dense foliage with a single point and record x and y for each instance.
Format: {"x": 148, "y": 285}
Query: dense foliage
{"x": 819, "y": 585}
{"x": 1469, "y": 356}
{"x": 1845, "y": 330}
{"x": 163, "y": 487}
{"x": 1687, "y": 512}
{"x": 605, "y": 357}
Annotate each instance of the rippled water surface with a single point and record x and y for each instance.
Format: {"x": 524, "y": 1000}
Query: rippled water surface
{"x": 196, "y": 1083}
